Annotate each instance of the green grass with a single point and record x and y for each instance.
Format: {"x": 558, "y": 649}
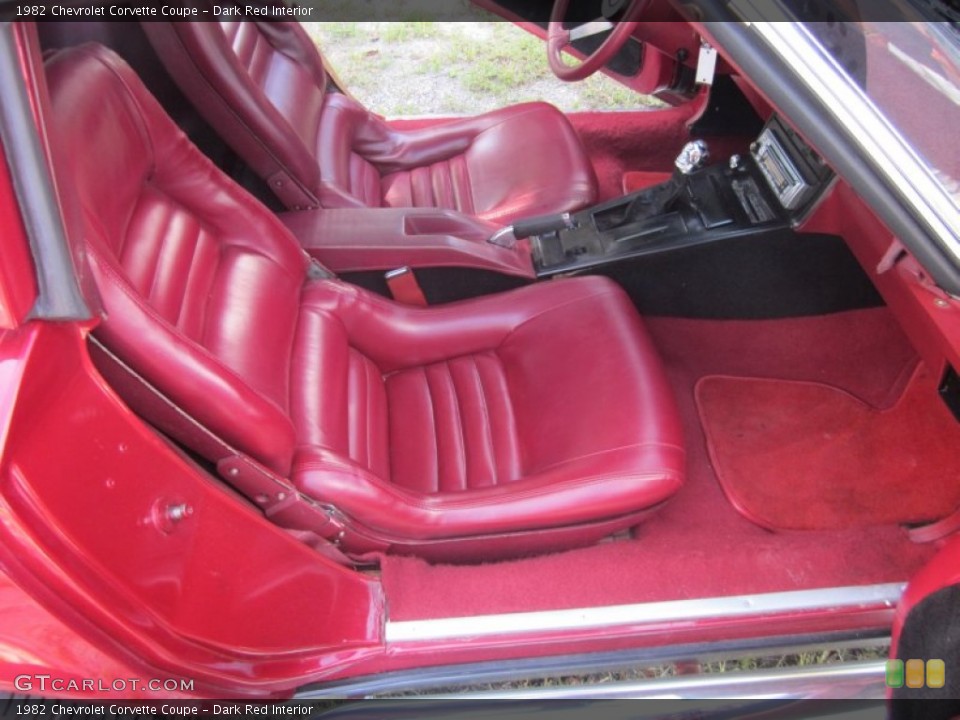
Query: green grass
{"x": 334, "y": 31}
{"x": 509, "y": 62}
{"x": 423, "y": 68}
{"x": 398, "y": 32}
{"x": 374, "y": 62}
{"x": 609, "y": 94}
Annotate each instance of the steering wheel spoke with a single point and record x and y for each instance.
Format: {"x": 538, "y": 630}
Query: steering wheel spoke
{"x": 559, "y": 37}
{"x": 590, "y": 29}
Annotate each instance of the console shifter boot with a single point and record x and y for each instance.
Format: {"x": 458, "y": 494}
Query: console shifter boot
{"x": 658, "y": 200}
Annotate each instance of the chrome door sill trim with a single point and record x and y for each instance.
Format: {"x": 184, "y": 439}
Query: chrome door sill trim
{"x": 471, "y": 677}
{"x": 526, "y": 623}
{"x": 848, "y": 681}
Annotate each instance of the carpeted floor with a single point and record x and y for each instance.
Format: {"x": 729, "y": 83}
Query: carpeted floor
{"x": 646, "y": 141}
{"x": 619, "y": 142}
{"x": 699, "y": 545}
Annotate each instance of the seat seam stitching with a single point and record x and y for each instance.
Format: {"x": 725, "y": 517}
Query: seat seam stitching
{"x": 458, "y": 423}
{"x": 434, "y": 434}
{"x": 458, "y": 500}
{"x": 488, "y": 426}
{"x": 584, "y": 456}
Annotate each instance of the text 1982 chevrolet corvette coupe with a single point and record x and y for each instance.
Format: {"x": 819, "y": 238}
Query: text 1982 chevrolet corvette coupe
{"x": 299, "y": 400}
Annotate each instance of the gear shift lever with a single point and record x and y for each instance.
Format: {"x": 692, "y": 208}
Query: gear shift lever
{"x": 660, "y": 200}
{"x": 693, "y": 156}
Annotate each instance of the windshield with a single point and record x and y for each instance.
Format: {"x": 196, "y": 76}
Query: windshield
{"x": 911, "y": 72}
{"x": 913, "y": 76}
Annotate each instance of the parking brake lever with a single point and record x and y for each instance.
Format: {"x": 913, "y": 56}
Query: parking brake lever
{"x": 507, "y": 236}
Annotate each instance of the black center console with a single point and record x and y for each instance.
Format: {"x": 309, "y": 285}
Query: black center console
{"x": 752, "y": 194}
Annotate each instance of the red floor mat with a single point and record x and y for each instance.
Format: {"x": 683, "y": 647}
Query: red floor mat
{"x": 806, "y": 456}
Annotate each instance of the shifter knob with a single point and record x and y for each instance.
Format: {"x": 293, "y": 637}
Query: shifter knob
{"x": 692, "y": 157}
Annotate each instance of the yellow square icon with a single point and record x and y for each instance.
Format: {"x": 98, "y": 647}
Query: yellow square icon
{"x": 915, "y": 673}
{"x": 936, "y": 674}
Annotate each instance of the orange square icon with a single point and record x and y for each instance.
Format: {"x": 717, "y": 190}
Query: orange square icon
{"x": 915, "y": 673}
{"x": 936, "y": 674}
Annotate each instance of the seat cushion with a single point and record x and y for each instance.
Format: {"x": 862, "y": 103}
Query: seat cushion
{"x": 538, "y": 409}
{"x": 519, "y": 161}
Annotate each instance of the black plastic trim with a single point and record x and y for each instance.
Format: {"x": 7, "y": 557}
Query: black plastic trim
{"x": 950, "y": 391}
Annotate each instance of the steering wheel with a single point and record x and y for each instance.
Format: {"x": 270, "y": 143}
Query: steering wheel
{"x": 558, "y": 37}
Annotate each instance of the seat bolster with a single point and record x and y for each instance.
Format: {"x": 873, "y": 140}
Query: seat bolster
{"x": 185, "y": 371}
{"x": 585, "y": 378}
{"x": 397, "y": 336}
{"x": 355, "y": 147}
{"x": 391, "y": 150}
{"x": 529, "y": 163}
{"x": 346, "y": 178}
{"x": 606, "y": 486}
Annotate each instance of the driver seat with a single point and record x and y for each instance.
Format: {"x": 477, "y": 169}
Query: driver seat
{"x": 264, "y": 89}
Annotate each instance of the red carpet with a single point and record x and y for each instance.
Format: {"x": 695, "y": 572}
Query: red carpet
{"x": 641, "y": 180}
{"x": 806, "y": 456}
{"x": 698, "y": 545}
{"x": 644, "y": 140}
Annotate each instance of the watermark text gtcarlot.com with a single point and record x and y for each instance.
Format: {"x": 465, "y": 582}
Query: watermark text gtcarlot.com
{"x": 49, "y": 683}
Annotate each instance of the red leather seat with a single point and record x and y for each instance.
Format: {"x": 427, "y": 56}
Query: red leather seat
{"x": 525, "y": 421}
{"x": 263, "y": 87}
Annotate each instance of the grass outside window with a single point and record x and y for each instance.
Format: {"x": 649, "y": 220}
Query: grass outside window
{"x": 456, "y": 68}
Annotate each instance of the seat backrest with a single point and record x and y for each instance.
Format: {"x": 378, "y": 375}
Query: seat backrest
{"x": 199, "y": 282}
{"x": 261, "y": 85}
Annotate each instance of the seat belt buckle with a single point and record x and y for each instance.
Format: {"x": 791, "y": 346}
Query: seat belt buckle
{"x": 404, "y": 287}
